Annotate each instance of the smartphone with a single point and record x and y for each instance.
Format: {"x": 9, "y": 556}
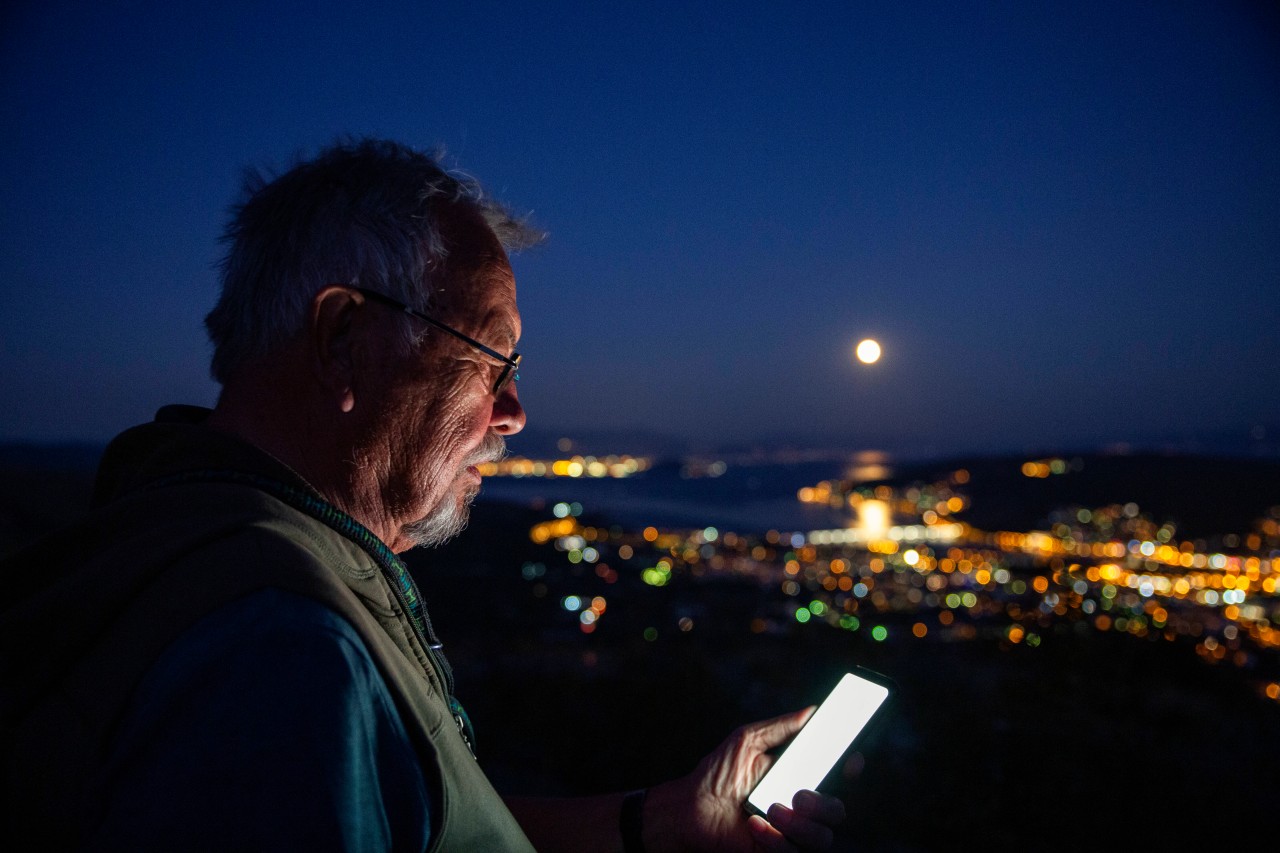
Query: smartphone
{"x": 825, "y": 737}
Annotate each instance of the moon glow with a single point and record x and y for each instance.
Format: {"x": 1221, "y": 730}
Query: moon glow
{"x": 868, "y": 351}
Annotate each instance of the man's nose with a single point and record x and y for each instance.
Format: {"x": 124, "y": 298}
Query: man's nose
{"x": 508, "y": 415}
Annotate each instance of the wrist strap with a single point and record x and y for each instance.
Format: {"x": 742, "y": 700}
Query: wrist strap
{"x": 630, "y": 821}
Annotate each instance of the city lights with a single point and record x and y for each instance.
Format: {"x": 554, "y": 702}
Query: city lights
{"x": 615, "y": 467}
{"x": 908, "y": 568}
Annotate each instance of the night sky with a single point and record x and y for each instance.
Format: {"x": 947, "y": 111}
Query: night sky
{"x": 1061, "y": 220}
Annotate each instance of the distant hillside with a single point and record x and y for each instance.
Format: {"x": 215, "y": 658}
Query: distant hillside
{"x": 1204, "y": 496}
{"x": 42, "y": 487}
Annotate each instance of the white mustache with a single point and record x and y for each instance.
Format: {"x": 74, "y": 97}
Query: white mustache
{"x": 492, "y": 449}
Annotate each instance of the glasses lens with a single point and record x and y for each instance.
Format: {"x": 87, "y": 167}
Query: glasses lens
{"x": 508, "y": 375}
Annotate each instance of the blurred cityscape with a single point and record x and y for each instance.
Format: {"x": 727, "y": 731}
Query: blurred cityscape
{"x": 908, "y": 565}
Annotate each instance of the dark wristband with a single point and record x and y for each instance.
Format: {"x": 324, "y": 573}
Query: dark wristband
{"x": 630, "y": 821}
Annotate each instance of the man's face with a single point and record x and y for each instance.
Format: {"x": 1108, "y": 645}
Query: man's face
{"x": 441, "y": 418}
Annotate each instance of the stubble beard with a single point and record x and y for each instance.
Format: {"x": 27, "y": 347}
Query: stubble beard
{"x": 450, "y": 517}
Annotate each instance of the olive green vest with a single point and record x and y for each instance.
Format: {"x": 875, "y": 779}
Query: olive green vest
{"x": 144, "y": 568}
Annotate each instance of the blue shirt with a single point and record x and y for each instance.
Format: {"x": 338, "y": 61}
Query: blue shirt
{"x": 265, "y": 726}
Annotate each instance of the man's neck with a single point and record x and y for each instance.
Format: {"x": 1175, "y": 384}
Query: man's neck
{"x": 292, "y": 433}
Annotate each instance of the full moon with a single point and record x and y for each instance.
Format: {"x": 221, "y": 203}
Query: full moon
{"x": 868, "y": 351}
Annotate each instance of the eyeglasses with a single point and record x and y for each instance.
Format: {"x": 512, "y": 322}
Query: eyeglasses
{"x": 510, "y": 364}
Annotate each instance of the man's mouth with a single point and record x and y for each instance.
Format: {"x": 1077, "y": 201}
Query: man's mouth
{"x": 492, "y": 449}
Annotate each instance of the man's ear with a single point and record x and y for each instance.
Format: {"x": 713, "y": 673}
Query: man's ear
{"x": 333, "y": 343}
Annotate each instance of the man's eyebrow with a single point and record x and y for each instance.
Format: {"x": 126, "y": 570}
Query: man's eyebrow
{"x": 503, "y": 332}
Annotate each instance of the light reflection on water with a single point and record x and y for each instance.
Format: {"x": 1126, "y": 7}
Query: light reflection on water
{"x": 745, "y": 498}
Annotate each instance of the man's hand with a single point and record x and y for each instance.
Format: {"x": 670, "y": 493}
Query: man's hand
{"x": 703, "y": 811}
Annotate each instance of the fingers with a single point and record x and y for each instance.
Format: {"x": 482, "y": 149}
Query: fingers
{"x": 768, "y": 838}
{"x": 775, "y": 732}
{"x": 819, "y": 807}
{"x": 804, "y": 833}
{"x": 805, "y": 826}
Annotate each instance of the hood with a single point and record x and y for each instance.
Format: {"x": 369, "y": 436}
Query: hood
{"x": 176, "y": 442}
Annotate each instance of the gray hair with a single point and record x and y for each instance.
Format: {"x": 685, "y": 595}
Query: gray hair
{"x": 364, "y": 212}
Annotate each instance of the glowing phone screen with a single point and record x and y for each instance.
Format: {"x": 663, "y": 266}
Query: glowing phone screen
{"x": 821, "y": 742}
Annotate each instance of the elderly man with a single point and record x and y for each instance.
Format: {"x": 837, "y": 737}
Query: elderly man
{"x": 227, "y": 652}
